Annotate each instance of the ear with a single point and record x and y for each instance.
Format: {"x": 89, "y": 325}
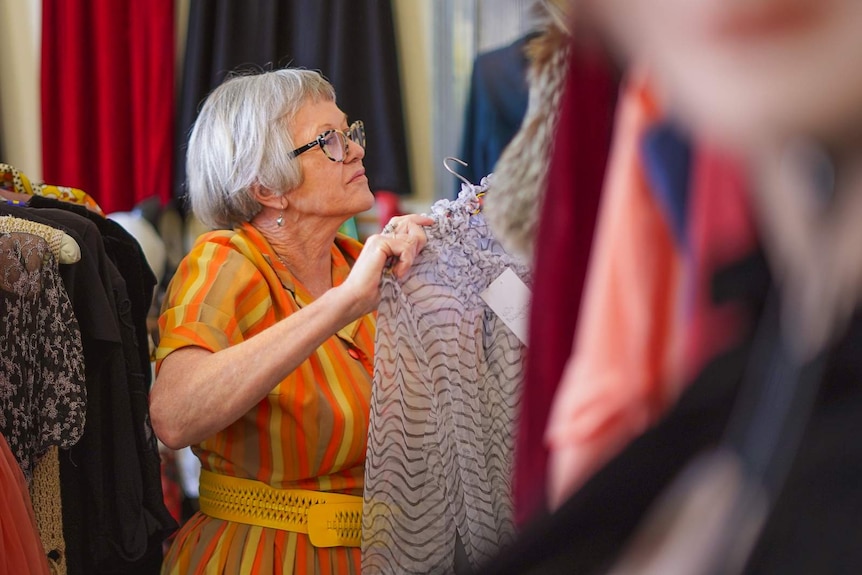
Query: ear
{"x": 267, "y": 197}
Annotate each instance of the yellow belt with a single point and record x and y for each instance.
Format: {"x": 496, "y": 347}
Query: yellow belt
{"x": 329, "y": 519}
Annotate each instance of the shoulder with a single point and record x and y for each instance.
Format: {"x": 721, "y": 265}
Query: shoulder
{"x": 226, "y": 258}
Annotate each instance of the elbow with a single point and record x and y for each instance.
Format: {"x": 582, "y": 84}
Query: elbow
{"x": 165, "y": 427}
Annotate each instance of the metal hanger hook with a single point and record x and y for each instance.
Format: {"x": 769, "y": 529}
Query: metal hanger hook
{"x": 452, "y": 171}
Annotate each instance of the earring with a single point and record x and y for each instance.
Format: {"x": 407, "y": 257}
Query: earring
{"x": 279, "y": 221}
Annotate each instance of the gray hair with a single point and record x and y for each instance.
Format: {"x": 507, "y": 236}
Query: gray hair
{"x": 240, "y": 139}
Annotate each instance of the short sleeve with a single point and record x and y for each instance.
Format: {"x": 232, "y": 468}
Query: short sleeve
{"x": 216, "y": 299}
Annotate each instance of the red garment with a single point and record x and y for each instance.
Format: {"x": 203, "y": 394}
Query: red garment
{"x": 565, "y": 234}
{"x": 21, "y": 551}
{"x": 108, "y": 98}
{"x": 721, "y": 232}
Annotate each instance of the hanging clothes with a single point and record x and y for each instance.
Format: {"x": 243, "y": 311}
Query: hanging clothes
{"x": 640, "y": 340}
{"x": 563, "y": 236}
{"x": 496, "y": 105}
{"x": 19, "y": 540}
{"x": 813, "y": 524}
{"x": 15, "y": 181}
{"x": 42, "y": 394}
{"x": 626, "y": 344}
{"x": 447, "y": 379}
{"x": 107, "y": 98}
{"x": 351, "y": 42}
{"x": 114, "y": 515}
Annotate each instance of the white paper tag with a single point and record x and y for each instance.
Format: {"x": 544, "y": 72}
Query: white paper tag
{"x": 509, "y": 298}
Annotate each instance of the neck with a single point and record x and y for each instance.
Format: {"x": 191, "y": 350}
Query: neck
{"x": 303, "y": 247}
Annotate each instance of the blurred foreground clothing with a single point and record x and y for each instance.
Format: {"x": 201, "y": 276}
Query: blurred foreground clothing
{"x": 814, "y": 524}
{"x": 564, "y": 236}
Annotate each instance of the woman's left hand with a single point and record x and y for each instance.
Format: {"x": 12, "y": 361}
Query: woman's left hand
{"x": 411, "y": 229}
{"x": 394, "y": 249}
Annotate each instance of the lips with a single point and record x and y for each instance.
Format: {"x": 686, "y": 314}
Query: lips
{"x": 359, "y": 174}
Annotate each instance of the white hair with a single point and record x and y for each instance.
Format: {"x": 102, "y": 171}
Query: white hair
{"x": 240, "y": 139}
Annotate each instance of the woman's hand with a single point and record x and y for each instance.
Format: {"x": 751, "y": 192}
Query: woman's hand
{"x": 392, "y": 251}
{"x": 410, "y": 228}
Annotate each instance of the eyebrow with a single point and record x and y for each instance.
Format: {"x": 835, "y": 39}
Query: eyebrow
{"x": 332, "y": 126}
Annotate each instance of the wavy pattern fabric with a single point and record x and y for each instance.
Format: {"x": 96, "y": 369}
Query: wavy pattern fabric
{"x": 447, "y": 379}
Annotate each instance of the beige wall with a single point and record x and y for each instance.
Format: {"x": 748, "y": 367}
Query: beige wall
{"x": 414, "y": 35}
{"x": 20, "y": 27}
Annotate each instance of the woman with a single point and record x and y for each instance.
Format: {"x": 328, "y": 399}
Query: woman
{"x": 264, "y": 363}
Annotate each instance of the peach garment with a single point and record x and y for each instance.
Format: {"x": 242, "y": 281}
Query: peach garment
{"x": 609, "y": 391}
{"x": 647, "y": 324}
{"x": 20, "y": 547}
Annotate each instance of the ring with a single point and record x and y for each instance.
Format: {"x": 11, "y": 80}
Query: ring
{"x": 388, "y": 229}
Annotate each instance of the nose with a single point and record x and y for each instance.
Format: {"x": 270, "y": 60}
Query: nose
{"x": 354, "y": 151}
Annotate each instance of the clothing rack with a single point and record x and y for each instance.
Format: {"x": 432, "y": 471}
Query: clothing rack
{"x": 83, "y": 393}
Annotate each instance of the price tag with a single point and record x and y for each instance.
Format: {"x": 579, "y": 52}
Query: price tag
{"x": 509, "y": 298}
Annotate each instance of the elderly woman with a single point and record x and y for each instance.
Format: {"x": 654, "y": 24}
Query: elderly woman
{"x": 264, "y": 363}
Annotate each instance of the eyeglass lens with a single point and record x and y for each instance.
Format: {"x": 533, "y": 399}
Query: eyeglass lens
{"x": 335, "y": 143}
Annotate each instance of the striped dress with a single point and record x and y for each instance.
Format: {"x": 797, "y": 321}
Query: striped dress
{"x": 308, "y": 433}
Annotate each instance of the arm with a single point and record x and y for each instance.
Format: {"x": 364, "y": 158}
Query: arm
{"x": 198, "y": 393}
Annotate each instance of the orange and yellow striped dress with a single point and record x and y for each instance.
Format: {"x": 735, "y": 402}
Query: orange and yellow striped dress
{"x": 309, "y": 433}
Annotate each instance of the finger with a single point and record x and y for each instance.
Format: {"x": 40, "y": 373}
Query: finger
{"x": 400, "y": 254}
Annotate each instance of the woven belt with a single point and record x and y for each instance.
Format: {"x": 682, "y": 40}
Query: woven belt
{"x": 329, "y": 519}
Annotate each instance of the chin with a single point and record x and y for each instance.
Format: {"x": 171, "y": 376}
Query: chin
{"x": 360, "y": 200}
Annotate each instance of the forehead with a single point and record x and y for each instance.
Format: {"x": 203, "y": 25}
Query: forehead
{"x": 314, "y": 118}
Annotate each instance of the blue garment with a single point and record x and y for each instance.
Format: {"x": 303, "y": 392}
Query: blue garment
{"x": 496, "y": 106}
{"x": 668, "y": 157}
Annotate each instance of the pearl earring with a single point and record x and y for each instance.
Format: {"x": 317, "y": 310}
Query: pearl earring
{"x": 279, "y": 221}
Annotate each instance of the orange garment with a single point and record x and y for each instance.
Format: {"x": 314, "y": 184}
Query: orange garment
{"x": 308, "y": 433}
{"x": 626, "y": 344}
{"x": 21, "y": 551}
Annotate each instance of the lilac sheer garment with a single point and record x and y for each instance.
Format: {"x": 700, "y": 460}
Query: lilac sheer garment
{"x": 447, "y": 378}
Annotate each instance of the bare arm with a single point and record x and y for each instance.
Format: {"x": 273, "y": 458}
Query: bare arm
{"x": 198, "y": 393}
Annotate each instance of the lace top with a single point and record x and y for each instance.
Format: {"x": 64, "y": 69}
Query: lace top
{"x": 42, "y": 394}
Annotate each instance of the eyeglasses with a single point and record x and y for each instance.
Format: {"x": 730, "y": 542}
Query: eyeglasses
{"x": 334, "y": 143}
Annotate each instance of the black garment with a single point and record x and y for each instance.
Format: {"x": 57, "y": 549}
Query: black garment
{"x": 814, "y": 525}
{"x": 351, "y": 42}
{"x": 114, "y": 516}
{"x": 496, "y": 106}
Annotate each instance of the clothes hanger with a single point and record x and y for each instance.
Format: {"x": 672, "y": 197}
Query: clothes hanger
{"x": 454, "y": 172}
{"x": 62, "y": 245}
{"x": 451, "y": 170}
